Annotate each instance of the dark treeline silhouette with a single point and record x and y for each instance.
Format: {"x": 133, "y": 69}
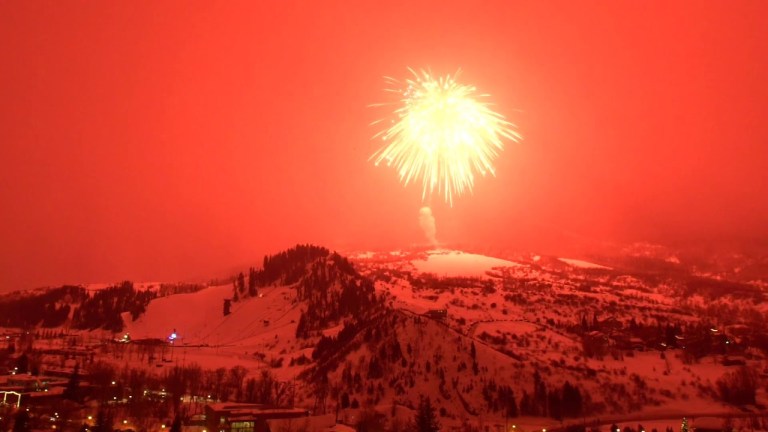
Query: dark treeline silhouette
{"x": 148, "y": 391}
{"x": 696, "y": 339}
{"x": 88, "y": 310}
{"x": 283, "y": 268}
{"x": 167, "y": 289}
{"x": 288, "y": 266}
{"x": 327, "y": 282}
{"x": 333, "y": 290}
{"x": 738, "y": 387}
{"x": 559, "y": 403}
{"x": 500, "y": 398}
{"x": 103, "y": 309}
{"x": 426, "y": 419}
{"x": 49, "y": 308}
{"x": 374, "y": 329}
{"x": 331, "y": 344}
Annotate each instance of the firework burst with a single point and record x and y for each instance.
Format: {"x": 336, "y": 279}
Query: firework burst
{"x": 443, "y": 135}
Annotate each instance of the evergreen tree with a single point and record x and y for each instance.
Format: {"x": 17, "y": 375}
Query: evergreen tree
{"x": 426, "y": 420}
{"x": 684, "y": 426}
{"x": 540, "y": 400}
{"x": 176, "y": 426}
{"x": 512, "y": 405}
{"x": 104, "y": 421}
{"x": 525, "y": 405}
{"x": 241, "y": 283}
{"x": 72, "y": 391}
{"x": 252, "y": 275}
{"x": 22, "y": 364}
{"x": 572, "y": 402}
{"x": 371, "y": 421}
{"x": 21, "y": 421}
{"x": 554, "y": 404}
{"x": 301, "y": 327}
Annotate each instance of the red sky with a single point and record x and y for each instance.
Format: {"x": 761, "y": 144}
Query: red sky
{"x": 168, "y": 140}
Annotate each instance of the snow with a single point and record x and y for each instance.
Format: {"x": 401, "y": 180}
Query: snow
{"x": 583, "y": 264}
{"x": 517, "y": 320}
{"x": 264, "y": 325}
{"x": 198, "y": 317}
{"x": 192, "y": 315}
{"x": 363, "y": 255}
{"x": 457, "y": 263}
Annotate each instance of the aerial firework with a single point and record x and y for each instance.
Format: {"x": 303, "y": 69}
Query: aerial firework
{"x": 443, "y": 134}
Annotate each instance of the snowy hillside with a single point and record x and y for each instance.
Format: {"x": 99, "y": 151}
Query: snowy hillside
{"x": 198, "y": 318}
{"x": 539, "y": 337}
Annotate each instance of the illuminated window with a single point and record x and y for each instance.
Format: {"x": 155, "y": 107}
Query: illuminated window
{"x": 242, "y": 426}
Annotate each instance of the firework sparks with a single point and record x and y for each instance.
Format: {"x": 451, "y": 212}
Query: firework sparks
{"x": 443, "y": 135}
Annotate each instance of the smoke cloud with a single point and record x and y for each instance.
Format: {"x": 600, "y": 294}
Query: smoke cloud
{"x": 427, "y": 224}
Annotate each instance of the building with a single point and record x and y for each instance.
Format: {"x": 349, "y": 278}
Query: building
{"x": 25, "y": 383}
{"x": 10, "y": 398}
{"x": 241, "y": 417}
{"x": 438, "y": 314}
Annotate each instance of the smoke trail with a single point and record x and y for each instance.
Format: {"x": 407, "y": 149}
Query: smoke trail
{"x": 427, "y": 224}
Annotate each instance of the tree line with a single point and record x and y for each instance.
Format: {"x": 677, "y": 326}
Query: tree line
{"x": 83, "y": 310}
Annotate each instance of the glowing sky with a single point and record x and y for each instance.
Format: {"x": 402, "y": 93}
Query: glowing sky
{"x": 167, "y": 140}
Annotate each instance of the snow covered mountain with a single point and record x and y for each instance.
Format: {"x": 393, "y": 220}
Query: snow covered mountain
{"x": 485, "y": 338}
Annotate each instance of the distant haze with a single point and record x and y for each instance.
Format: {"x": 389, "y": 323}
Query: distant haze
{"x": 172, "y": 140}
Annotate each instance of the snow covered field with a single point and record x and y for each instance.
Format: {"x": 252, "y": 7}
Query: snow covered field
{"x": 457, "y": 263}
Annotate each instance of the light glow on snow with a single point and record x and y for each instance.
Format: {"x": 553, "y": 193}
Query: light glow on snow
{"x": 583, "y": 264}
{"x": 457, "y": 263}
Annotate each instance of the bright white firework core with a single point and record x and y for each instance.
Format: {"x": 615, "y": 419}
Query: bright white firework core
{"x": 443, "y": 135}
